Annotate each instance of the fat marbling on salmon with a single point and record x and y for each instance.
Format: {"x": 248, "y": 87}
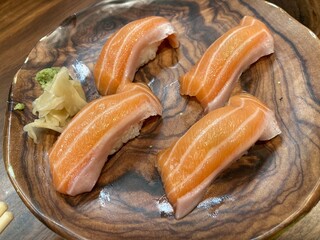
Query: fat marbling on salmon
{"x": 214, "y": 76}
{"x": 98, "y": 130}
{"x": 189, "y": 166}
{"x": 130, "y": 47}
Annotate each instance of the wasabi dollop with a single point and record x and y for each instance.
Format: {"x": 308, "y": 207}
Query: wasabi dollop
{"x": 46, "y": 75}
{"x": 19, "y": 106}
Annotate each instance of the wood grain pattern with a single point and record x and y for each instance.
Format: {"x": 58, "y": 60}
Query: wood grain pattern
{"x": 22, "y": 24}
{"x": 259, "y": 195}
{"x": 305, "y": 11}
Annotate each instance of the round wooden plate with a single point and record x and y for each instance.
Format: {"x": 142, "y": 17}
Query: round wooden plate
{"x": 259, "y": 195}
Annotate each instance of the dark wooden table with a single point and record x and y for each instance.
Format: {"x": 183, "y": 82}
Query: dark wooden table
{"x": 22, "y": 24}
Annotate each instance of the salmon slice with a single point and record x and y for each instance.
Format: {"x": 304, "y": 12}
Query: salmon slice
{"x": 189, "y": 166}
{"x": 213, "y": 78}
{"x": 129, "y": 48}
{"x": 98, "y": 130}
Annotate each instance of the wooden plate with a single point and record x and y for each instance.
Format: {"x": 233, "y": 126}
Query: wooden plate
{"x": 259, "y": 195}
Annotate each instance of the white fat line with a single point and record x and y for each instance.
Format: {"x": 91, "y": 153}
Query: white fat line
{"x": 264, "y": 108}
{"x": 190, "y": 147}
{"x": 106, "y": 54}
{"x": 104, "y": 138}
{"x": 78, "y": 115}
{"x": 254, "y": 21}
{"x": 226, "y": 65}
{"x": 246, "y": 22}
{"x": 216, "y": 149}
{"x": 84, "y": 130}
{"x": 213, "y": 57}
{"x": 238, "y": 28}
{"x": 124, "y": 43}
{"x": 147, "y": 91}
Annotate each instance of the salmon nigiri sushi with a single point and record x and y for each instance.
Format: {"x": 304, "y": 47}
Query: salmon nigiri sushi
{"x": 98, "y": 130}
{"x": 189, "y": 166}
{"x": 213, "y": 78}
{"x": 130, "y": 47}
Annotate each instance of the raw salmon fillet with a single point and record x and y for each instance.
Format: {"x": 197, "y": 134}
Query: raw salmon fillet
{"x": 213, "y": 78}
{"x": 130, "y": 47}
{"x": 189, "y": 166}
{"x": 98, "y": 130}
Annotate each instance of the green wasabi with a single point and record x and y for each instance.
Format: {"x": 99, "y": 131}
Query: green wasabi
{"x": 46, "y": 75}
{"x": 19, "y": 106}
